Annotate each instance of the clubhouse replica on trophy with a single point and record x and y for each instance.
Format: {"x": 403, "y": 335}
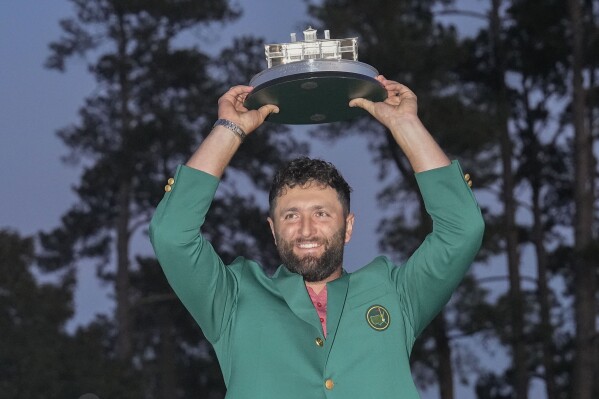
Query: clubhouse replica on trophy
{"x": 312, "y": 81}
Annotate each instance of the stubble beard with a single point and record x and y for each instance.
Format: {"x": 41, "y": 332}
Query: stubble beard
{"x": 314, "y": 268}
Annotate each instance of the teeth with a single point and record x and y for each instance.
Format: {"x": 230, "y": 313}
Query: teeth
{"x": 308, "y": 245}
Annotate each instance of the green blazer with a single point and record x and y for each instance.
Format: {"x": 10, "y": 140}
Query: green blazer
{"x": 265, "y": 330}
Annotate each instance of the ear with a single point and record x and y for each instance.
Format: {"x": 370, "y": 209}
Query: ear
{"x": 271, "y": 223}
{"x": 349, "y": 227}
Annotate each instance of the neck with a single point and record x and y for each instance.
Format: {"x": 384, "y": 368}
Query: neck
{"x": 318, "y": 286}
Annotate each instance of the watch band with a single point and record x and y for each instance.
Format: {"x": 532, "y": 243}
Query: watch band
{"x": 232, "y": 127}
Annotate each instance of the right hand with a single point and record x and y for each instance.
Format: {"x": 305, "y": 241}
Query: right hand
{"x": 230, "y": 106}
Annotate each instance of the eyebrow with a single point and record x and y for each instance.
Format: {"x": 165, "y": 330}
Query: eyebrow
{"x": 296, "y": 209}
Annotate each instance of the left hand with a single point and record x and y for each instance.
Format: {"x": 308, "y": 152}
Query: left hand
{"x": 400, "y": 104}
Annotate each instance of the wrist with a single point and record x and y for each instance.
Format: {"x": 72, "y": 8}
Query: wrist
{"x": 231, "y": 126}
{"x": 406, "y": 124}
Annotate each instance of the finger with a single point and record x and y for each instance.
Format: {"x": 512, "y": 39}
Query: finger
{"x": 235, "y": 92}
{"x": 240, "y": 107}
{"x": 399, "y": 92}
{"x": 267, "y": 109}
{"x": 385, "y": 82}
{"x": 362, "y": 103}
{"x": 392, "y": 86}
{"x": 397, "y": 87}
{"x": 240, "y": 89}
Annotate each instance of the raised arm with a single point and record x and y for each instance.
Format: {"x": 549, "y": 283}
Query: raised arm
{"x": 399, "y": 114}
{"x": 427, "y": 280}
{"x": 196, "y": 273}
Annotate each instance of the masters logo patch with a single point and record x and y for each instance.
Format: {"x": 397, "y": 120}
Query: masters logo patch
{"x": 378, "y": 317}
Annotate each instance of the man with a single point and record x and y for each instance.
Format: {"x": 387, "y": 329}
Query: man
{"x": 312, "y": 330}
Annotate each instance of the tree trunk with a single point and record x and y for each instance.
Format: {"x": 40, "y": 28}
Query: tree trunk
{"x": 535, "y": 177}
{"x": 593, "y": 105}
{"x": 584, "y": 273}
{"x": 520, "y": 382}
{"x": 124, "y": 345}
{"x": 546, "y": 327}
{"x": 445, "y": 369}
{"x": 513, "y": 259}
{"x": 123, "y": 315}
{"x": 167, "y": 367}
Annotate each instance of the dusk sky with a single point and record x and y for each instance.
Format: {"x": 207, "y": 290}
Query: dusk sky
{"x": 36, "y": 102}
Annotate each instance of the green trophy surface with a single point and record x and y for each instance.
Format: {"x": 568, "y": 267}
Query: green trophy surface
{"x": 315, "y": 91}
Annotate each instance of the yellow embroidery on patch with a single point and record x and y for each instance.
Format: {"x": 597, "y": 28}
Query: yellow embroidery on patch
{"x": 378, "y": 317}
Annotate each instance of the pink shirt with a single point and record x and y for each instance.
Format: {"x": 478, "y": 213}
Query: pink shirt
{"x": 320, "y": 304}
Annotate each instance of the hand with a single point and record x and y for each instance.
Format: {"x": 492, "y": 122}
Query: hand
{"x": 230, "y": 106}
{"x": 401, "y": 103}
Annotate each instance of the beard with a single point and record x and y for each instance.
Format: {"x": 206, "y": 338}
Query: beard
{"x": 314, "y": 268}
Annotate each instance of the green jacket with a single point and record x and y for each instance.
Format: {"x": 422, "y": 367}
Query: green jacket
{"x": 265, "y": 330}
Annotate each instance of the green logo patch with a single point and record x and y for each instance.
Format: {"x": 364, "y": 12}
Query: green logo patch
{"x": 378, "y": 317}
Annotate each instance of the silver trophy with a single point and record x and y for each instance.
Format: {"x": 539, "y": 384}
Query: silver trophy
{"x": 312, "y": 81}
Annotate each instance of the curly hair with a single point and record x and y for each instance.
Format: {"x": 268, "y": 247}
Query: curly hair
{"x": 305, "y": 171}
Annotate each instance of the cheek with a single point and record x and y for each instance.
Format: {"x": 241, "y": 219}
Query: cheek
{"x": 284, "y": 232}
{"x": 281, "y": 236}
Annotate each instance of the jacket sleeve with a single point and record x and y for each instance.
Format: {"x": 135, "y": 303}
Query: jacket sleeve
{"x": 429, "y": 277}
{"x": 207, "y": 288}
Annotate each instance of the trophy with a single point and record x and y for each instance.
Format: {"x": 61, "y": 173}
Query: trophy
{"x": 312, "y": 81}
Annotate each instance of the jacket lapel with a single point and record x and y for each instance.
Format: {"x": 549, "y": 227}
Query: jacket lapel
{"x": 336, "y": 295}
{"x": 292, "y": 288}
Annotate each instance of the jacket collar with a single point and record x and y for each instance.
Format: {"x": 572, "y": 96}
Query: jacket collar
{"x": 291, "y": 286}
{"x": 293, "y": 289}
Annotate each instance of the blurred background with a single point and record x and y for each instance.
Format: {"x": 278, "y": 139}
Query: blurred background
{"x": 102, "y": 99}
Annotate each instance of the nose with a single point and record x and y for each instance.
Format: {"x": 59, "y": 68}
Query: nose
{"x": 306, "y": 227}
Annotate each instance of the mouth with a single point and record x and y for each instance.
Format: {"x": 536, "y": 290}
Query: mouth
{"x": 308, "y": 246}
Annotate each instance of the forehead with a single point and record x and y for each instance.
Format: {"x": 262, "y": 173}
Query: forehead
{"x": 307, "y": 196}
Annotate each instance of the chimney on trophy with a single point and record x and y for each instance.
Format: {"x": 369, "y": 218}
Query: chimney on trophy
{"x": 310, "y": 35}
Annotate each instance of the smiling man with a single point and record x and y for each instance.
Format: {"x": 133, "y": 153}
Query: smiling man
{"x": 310, "y": 219}
{"x": 313, "y": 330}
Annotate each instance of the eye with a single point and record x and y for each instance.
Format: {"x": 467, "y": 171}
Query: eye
{"x": 289, "y": 216}
{"x": 321, "y": 214}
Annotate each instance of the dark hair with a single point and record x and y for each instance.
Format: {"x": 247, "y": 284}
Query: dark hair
{"x": 305, "y": 171}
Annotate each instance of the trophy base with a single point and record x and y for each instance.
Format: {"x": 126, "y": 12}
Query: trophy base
{"x": 315, "y": 91}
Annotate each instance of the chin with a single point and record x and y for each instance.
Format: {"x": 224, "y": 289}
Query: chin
{"x": 309, "y": 254}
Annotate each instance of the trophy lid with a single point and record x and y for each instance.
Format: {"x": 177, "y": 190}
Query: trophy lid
{"x": 312, "y": 81}
{"x": 311, "y": 48}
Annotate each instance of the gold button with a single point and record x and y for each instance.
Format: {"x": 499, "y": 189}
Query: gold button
{"x": 171, "y": 181}
{"x": 467, "y": 178}
{"x": 167, "y": 188}
{"x": 319, "y": 341}
{"x": 329, "y": 384}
